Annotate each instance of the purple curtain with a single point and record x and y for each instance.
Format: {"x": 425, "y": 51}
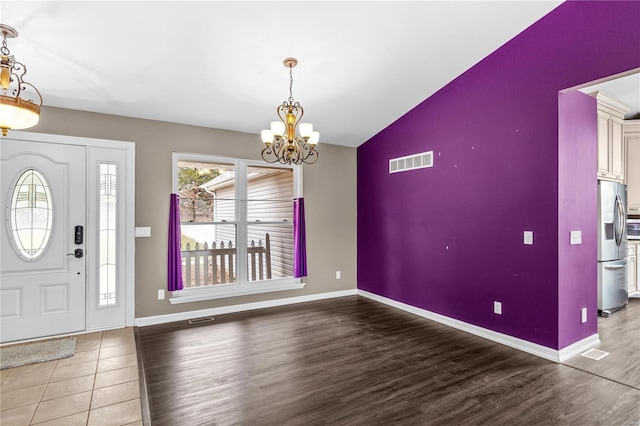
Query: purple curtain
{"x": 174, "y": 281}
{"x": 299, "y": 240}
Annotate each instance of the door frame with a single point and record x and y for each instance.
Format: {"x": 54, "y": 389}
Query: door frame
{"x": 93, "y": 148}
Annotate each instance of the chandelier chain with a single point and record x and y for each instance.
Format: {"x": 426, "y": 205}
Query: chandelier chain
{"x": 4, "y": 49}
{"x": 290, "y": 85}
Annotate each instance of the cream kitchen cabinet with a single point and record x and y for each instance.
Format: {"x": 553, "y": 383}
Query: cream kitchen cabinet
{"x": 632, "y": 175}
{"x": 611, "y": 154}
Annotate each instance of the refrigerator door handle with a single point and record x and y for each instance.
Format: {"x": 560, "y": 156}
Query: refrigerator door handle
{"x": 616, "y": 226}
{"x": 615, "y": 266}
{"x": 623, "y": 218}
{"x": 618, "y": 221}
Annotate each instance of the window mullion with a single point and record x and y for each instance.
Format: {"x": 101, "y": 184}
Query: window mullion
{"x": 241, "y": 219}
{"x": 297, "y": 181}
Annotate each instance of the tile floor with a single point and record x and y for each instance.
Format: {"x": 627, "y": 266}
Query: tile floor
{"x": 98, "y": 385}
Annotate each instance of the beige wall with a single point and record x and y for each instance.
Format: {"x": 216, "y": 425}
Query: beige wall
{"x": 329, "y": 188}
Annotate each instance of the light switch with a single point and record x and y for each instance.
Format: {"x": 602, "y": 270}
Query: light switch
{"x": 143, "y": 231}
{"x": 497, "y": 308}
{"x": 528, "y": 237}
{"x": 576, "y": 237}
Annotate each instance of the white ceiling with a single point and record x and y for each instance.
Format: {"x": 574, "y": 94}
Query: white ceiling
{"x": 219, "y": 64}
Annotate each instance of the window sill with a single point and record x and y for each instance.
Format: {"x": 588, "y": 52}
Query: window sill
{"x": 232, "y": 290}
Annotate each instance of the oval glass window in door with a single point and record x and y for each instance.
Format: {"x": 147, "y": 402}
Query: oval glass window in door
{"x": 31, "y": 215}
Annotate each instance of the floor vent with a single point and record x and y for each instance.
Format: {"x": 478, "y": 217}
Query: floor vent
{"x": 411, "y": 162}
{"x": 200, "y": 320}
{"x": 595, "y": 354}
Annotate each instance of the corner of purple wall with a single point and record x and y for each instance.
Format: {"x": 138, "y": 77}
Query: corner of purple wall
{"x": 577, "y": 203}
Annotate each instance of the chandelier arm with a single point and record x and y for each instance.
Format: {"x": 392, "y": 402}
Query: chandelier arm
{"x": 281, "y": 148}
{"x": 302, "y": 149}
{"x": 309, "y": 154}
{"x": 305, "y": 147}
{"x": 268, "y": 151}
{"x": 280, "y": 110}
{"x": 295, "y": 155}
{"x": 313, "y": 154}
{"x": 297, "y": 106}
{"x": 302, "y": 152}
{"x": 283, "y": 153}
{"x": 21, "y": 84}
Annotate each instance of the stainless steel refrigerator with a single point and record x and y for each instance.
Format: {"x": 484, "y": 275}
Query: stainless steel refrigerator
{"x": 612, "y": 247}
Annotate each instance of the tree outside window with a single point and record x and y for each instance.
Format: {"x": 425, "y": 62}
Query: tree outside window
{"x": 196, "y": 204}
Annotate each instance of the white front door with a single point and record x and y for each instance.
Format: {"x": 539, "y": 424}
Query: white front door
{"x": 42, "y": 281}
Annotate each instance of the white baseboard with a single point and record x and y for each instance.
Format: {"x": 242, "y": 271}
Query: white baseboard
{"x": 523, "y": 345}
{"x": 578, "y": 347}
{"x": 520, "y": 344}
{"x": 183, "y": 316}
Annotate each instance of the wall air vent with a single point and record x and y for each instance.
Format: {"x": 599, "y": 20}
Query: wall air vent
{"x": 411, "y": 162}
{"x": 201, "y": 320}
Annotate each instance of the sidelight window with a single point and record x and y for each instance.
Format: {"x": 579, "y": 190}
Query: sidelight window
{"x": 107, "y": 235}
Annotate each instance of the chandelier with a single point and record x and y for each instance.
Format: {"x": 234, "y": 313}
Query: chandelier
{"x": 17, "y": 110}
{"x": 282, "y": 143}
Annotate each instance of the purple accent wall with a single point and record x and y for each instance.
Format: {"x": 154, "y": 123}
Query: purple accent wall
{"x": 577, "y": 211}
{"x": 449, "y": 239}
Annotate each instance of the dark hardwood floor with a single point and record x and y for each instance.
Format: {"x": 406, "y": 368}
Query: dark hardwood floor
{"x": 353, "y": 361}
{"x": 620, "y": 336}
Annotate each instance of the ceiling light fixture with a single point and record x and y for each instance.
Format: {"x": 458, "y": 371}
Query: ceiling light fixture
{"x": 282, "y": 143}
{"x": 15, "y": 111}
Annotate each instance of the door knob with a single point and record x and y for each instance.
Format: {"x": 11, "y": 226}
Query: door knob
{"x": 77, "y": 253}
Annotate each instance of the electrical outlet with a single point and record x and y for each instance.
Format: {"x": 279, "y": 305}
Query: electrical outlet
{"x": 583, "y": 314}
{"x": 337, "y": 275}
{"x": 528, "y": 238}
{"x": 497, "y": 308}
{"x": 161, "y": 294}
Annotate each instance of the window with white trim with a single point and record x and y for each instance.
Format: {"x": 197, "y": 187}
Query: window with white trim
{"x": 108, "y": 235}
{"x": 236, "y": 222}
